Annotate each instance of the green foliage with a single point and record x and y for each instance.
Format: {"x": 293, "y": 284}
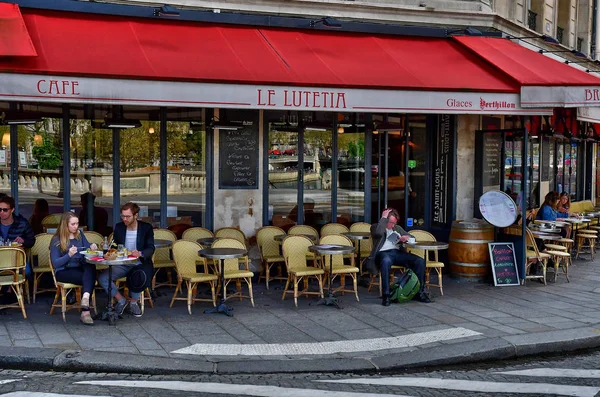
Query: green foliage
{"x": 47, "y": 155}
{"x": 356, "y": 149}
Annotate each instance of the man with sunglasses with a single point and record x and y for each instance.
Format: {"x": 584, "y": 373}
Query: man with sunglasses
{"x": 138, "y": 238}
{"x": 15, "y": 227}
{"x": 387, "y": 252}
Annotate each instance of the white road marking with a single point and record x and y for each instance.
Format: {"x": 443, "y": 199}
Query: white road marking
{"x": 556, "y": 373}
{"x": 343, "y": 346}
{"x": 478, "y": 386}
{"x": 38, "y": 394}
{"x": 5, "y": 381}
{"x": 225, "y": 388}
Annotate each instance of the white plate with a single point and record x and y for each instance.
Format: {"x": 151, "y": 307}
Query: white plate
{"x": 92, "y": 254}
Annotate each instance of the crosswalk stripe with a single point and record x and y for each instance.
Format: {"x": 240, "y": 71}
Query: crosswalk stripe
{"x": 479, "y": 386}
{"x": 555, "y": 373}
{"x": 343, "y": 346}
{"x": 226, "y": 388}
{"x": 39, "y": 394}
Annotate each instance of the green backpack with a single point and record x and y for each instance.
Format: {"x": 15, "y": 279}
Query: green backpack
{"x": 405, "y": 288}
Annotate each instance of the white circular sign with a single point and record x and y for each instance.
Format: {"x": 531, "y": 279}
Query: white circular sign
{"x": 498, "y": 208}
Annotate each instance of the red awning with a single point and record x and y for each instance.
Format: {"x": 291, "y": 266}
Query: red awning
{"x": 544, "y": 82}
{"x": 14, "y": 39}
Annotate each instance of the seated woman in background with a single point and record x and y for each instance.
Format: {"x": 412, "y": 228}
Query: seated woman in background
{"x": 40, "y": 211}
{"x": 564, "y": 203}
{"x": 69, "y": 264}
{"x": 548, "y": 212}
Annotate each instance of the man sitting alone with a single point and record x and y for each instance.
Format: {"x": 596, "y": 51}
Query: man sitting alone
{"x": 387, "y": 253}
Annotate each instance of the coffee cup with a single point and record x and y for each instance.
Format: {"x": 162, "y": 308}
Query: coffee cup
{"x": 411, "y": 240}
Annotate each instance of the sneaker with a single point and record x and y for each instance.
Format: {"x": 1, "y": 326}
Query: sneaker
{"x": 120, "y": 307}
{"x": 85, "y": 302}
{"x": 86, "y": 318}
{"x": 135, "y": 309}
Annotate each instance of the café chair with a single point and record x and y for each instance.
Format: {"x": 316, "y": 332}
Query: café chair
{"x": 435, "y": 264}
{"x": 195, "y": 233}
{"x": 231, "y": 232}
{"x": 39, "y": 257}
{"x": 163, "y": 258}
{"x": 144, "y": 295}
{"x": 64, "y": 289}
{"x": 185, "y": 254}
{"x": 338, "y": 266}
{"x": 533, "y": 255}
{"x": 308, "y": 230}
{"x": 270, "y": 252}
{"x": 295, "y": 249}
{"x": 365, "y": 245}
{"x": 333, "y": 228}
{"x": 12, "y": 274}
{"x": 585, "y": 241}
{"x": 51, "y": 222}
{"x": 233, "y": 271}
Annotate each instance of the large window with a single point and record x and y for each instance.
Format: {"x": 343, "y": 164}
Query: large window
{"x": 351, "y": 168}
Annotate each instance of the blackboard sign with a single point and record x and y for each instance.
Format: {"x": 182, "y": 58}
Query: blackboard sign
{"x": 239, "y": 157}
{"x": 504, "y": 264}
{"x": 492, "y": 149}
{"x": 545, "y": 167}
{"x": 442, "y": 170}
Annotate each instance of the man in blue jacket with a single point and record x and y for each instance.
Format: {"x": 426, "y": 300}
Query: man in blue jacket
{"x": 15, "y": 227}
{"x": 138, "y": 238}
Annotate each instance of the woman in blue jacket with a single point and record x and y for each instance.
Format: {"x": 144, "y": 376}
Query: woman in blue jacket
{"x": 549, "y": 211}
{"x": 69, "y": 264}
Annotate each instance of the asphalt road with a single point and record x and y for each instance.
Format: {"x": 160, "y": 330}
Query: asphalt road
{"x": 555, "y": 376}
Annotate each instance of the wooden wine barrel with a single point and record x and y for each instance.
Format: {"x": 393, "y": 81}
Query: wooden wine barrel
{"x": 468, "y": 253}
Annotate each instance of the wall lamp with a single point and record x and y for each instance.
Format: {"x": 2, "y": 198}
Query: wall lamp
{"x": 166, "y": 11}
{"x": 546, "y": 38}
{"x": 326, "y": 21}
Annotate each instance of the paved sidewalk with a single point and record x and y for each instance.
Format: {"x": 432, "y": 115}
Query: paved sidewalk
{"x": 470, "y": 322}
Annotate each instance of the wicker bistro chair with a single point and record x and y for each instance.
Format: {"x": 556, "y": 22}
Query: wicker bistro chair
{"x": 39, "y": 257}
{"x": 12, "y": 274}
{"x": 163, "y": 258}
{"x": 533, "y": 255}
{"x": 233, "y": 233}
{"x": 64, "y": 289}
{"x": 306, "y": 230}
{"x": 338, "y": 266}
{"x": 294, "y": 253}
{"x": 333, "y": 228}
{"x": 195, "y": 233}
{"x": 51, "y": 221}
{"x": 94, "y": 238}
{"x": 365, "y": 245}
{"x": 421, "y": 235}
{"x": 186, "y": 255}
{"x": 270, "y": 252}
{"x": 233, "y": 271}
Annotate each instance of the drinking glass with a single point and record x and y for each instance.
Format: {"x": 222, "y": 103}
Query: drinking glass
{"x": 120, "y": 250}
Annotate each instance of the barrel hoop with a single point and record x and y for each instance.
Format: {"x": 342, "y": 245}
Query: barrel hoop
{"x": 472, "y": 230}
{"x": 472, "y": 225}
{"x": 474, "y": 277}
{"x": 469, "y": 264}
{"x": 460, "y": 240}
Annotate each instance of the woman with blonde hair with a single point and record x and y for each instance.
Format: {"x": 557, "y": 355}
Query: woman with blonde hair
{"x": 69, "y": 265}
{"x": 564, "y": 203}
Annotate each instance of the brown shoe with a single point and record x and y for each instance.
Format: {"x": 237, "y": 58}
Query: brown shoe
{"x": 86, "y": 318}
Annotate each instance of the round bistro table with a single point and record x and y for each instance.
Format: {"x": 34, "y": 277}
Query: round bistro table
{"x": 110, "y": 313}
{"x": 222, "y": 254}
{"x": 330, "y": 249}
{"x": 160, "y": 243}
{"x": 358, "y": 236}
{"x": 206, "y": 241}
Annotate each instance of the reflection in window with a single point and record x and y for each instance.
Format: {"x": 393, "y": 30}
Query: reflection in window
{"x": 186, "y": 174}
{"x": 351, "y": 169}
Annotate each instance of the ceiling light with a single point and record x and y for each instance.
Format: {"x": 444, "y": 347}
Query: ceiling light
{"x": 121, "y": 123}
{"x": 151, "y": 130}
{"x": 21, "y": 118}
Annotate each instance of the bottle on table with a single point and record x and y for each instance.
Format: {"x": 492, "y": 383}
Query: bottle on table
{"x": 105, "y": 245}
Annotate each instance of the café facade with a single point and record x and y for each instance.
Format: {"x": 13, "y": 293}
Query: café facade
{"x": 240, "y": 124}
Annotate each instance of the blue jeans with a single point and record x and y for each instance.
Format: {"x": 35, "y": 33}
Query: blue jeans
{"x": 387, "y": 259}
{"x": 117, "y": 273}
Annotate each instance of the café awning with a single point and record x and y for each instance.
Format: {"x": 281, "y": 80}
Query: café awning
{"x": 14, "y": 38}
{"x": 124, "y": 60}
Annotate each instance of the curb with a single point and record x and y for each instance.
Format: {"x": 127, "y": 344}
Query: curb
{"x": 466, "y": 352}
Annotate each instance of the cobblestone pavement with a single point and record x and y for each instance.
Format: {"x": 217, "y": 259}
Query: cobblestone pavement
{"x": 468, "y": 321}
{"x": 560, "y": 376}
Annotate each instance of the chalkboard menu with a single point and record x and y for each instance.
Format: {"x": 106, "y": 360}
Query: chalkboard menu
{"x": 492, "y": 149}
{"x": 239, "y": 157}
{"x": 443, "y": 166}
{"x": 545, "y": 167}
{"x": 504, "y": 264}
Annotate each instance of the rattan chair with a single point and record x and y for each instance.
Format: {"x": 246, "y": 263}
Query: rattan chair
{"x": 64, "y": 289}
{"x": 94, "y": 238}
{"x": 333, "y": 228}
{"x": 309, "y": 231}
{"x": 51, "y": 221}
{"x": 533, "y": 255}
{"x": 195, "y": 233}
{"x": 294, "y": 252}
{"x": 233, "y": 271}
{"x": 39, "y": 257}
{"x": 365, "y": 245}
{"x": 185, "y": 254}
{"x": 163, "y": 258}
{"x": 12, "y": 274}
{"x": 421, "y": 235}
{"x": 270, "y": 252}
{"x": 338, "y": 266}
{"x": 233, "y": 233}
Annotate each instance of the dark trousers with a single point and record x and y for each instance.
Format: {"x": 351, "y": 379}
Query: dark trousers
{"x": 387, "y": 259}
{"x": 85, "y": 275}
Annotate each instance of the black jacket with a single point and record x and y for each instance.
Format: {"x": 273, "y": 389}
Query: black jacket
{"x": 21, "y": 228}
{"x": 378, "y": 235}
{"x": 144, "y": 244}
